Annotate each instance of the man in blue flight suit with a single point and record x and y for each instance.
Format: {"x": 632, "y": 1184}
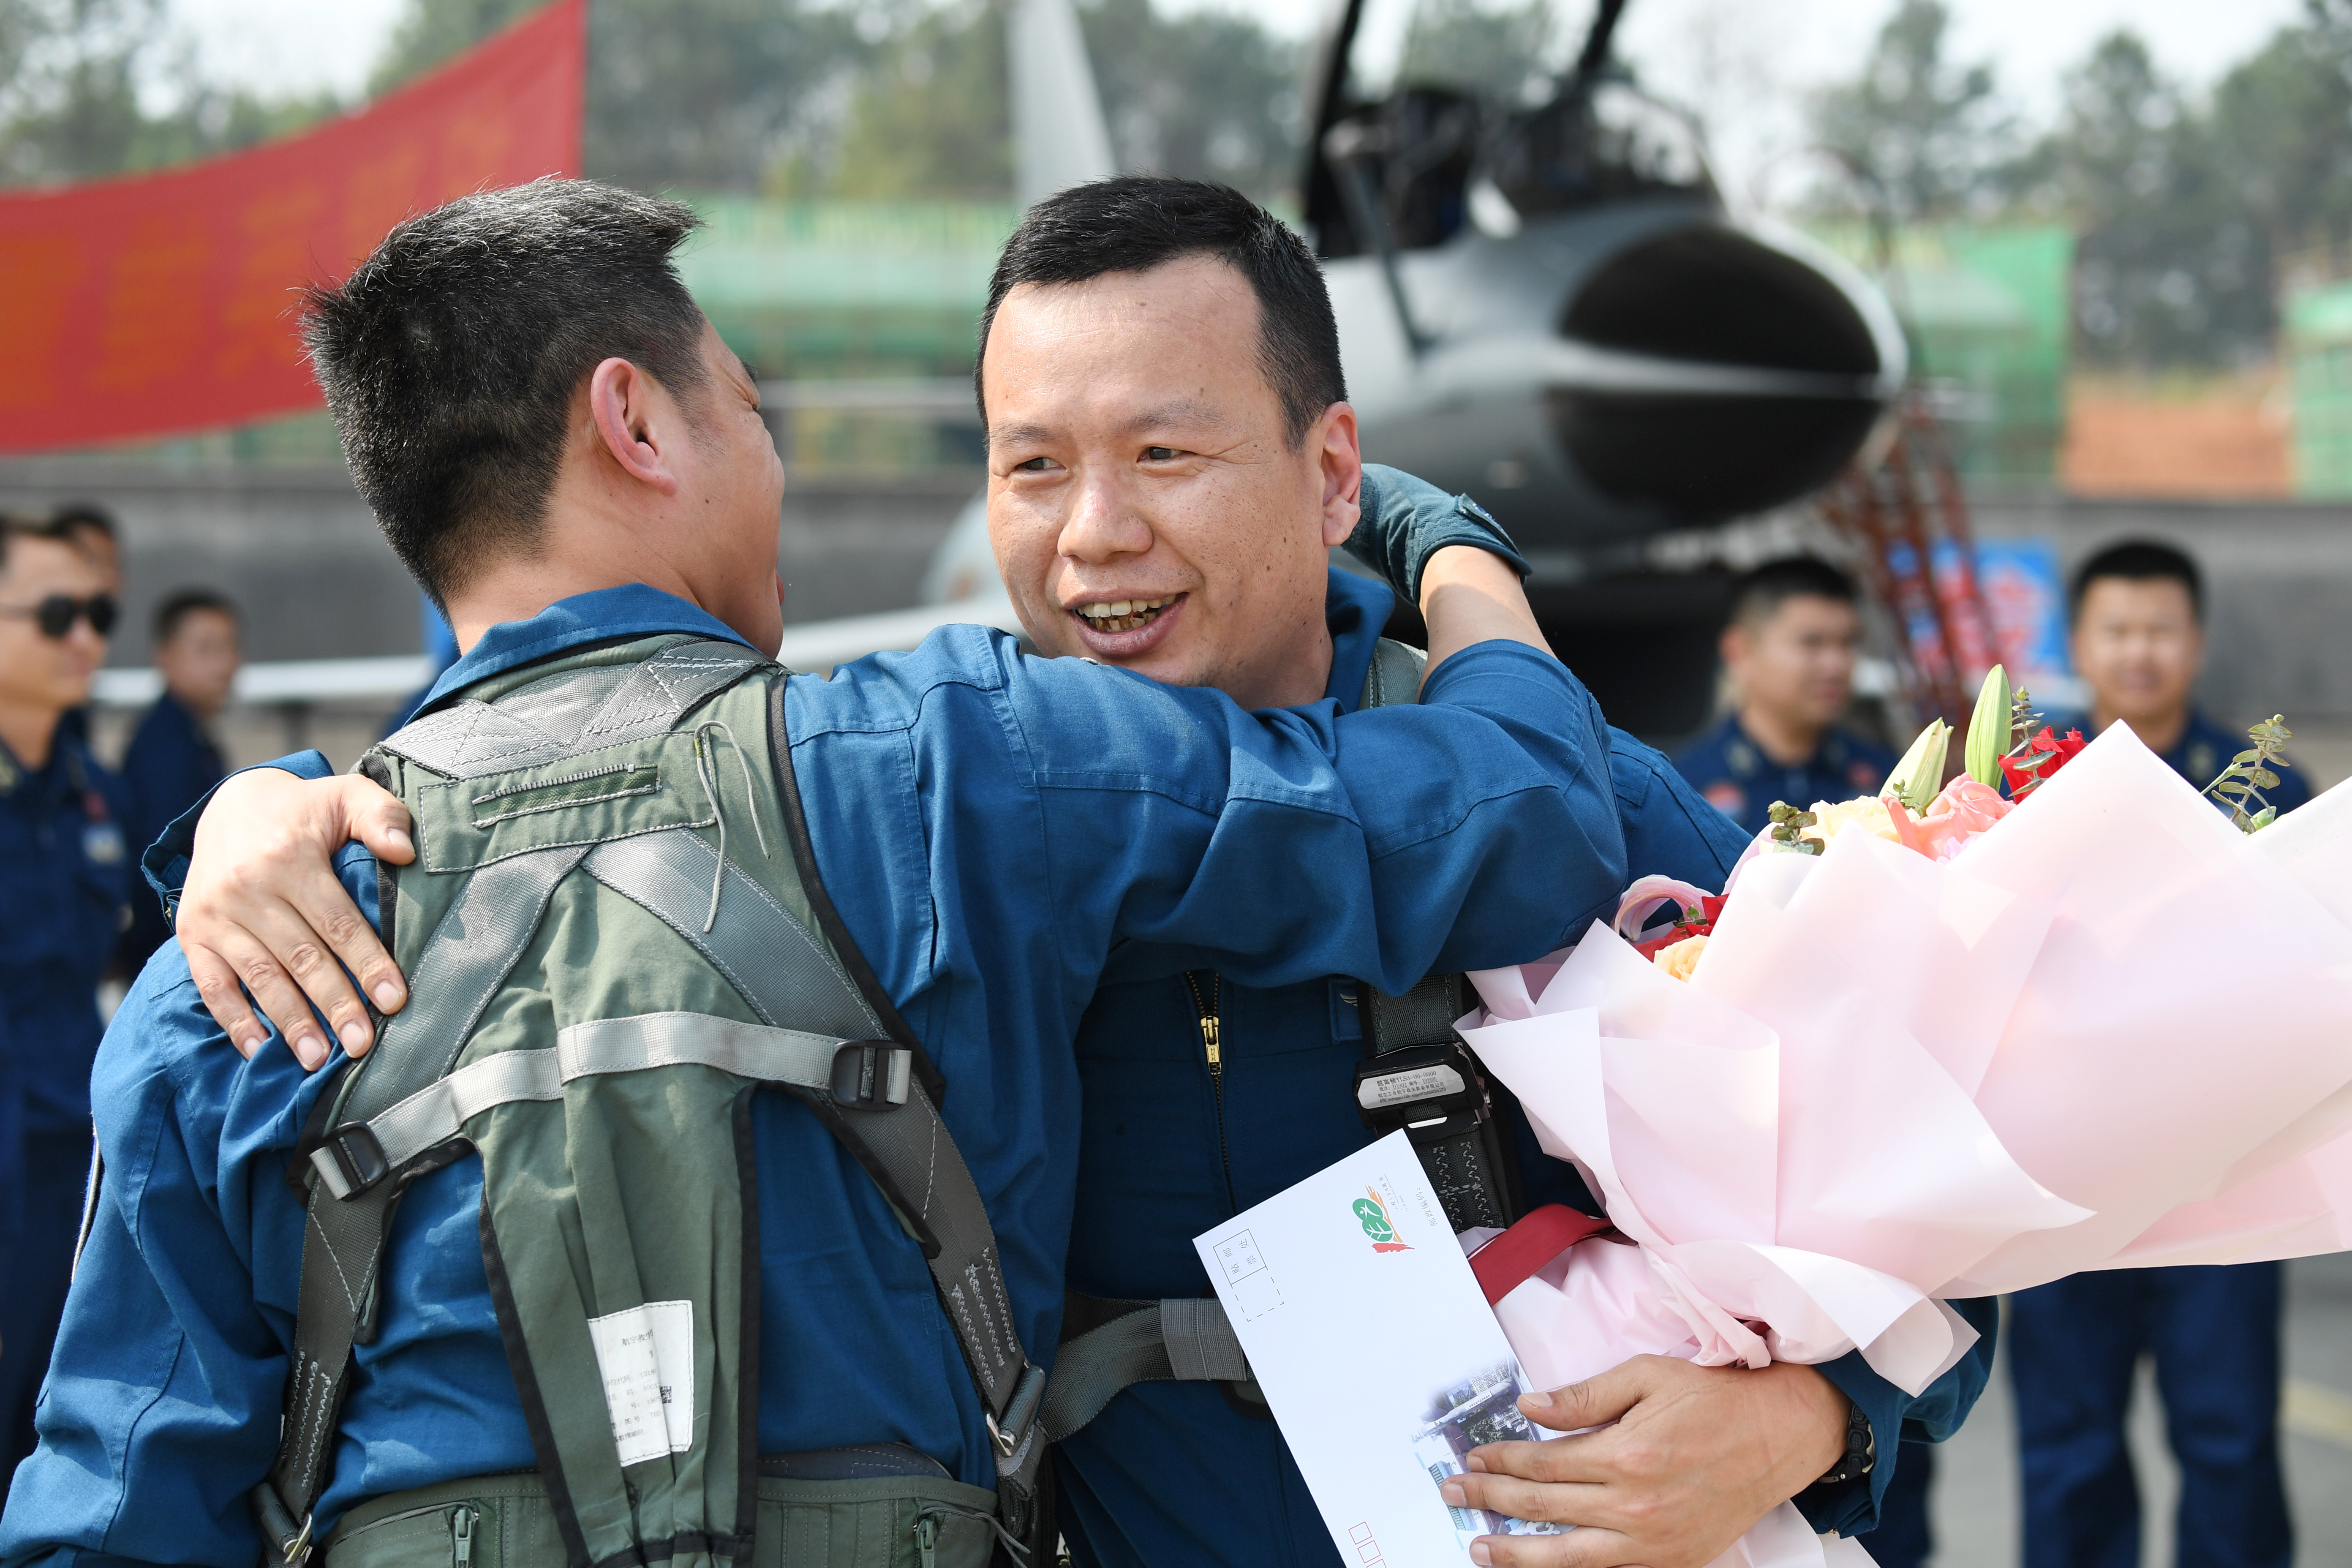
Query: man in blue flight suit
{"x": 172, "y": 758}
{"x": 1177, "y": 1135}
{"x": 63, "y": 867}
{"x": 2138, "y": 610}
{"x": 988, "y": 824}
{"x": 1788, "y": 656}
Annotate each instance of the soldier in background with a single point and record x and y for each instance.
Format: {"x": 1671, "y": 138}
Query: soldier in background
{"x": 1788, "y": 653}
{"x": 173, "y": 758}
{"x": 64, "y": 869}
{"x": 2139, "y": 611}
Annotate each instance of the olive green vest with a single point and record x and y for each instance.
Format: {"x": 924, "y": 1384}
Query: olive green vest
{"x": 616, "y": 936}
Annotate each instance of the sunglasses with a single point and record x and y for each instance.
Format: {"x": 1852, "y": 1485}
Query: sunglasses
{"x": 56, "y": 614}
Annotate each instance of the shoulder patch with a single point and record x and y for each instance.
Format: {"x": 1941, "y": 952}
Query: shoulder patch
{"x": 1862, "y": 775}
{"x": 1726, "y": 797}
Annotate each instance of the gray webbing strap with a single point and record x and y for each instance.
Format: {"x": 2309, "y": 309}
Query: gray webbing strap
{"x": 1181, "y": 1340}
{"x": 781, "y": 971}
{"x": 439, "y": 1111}
{"x": 573, "y": 710}
{"x": 468, "y": 958}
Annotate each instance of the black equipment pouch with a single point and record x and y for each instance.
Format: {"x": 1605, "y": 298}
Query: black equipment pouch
{"x": 1423, "y": 1078}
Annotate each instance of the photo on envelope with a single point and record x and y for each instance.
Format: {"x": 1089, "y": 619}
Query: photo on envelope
{"x": 1481, "y": 1407}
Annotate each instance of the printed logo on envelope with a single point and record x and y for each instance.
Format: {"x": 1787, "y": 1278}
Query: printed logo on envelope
{"x": 1373, "y": 1215}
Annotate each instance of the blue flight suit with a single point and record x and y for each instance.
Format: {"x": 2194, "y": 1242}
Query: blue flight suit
{"x": 171, "y": 762}
{"x": 1740, "y": 780}
{"x": 64, "y": 867}
{"x": 1176, "y": 1473}
{"x": 2214, "y": 1332}
{"x": 988, "y": 824}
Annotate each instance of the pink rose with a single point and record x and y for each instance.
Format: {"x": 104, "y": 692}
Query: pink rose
{"x": 1965, "y": 810}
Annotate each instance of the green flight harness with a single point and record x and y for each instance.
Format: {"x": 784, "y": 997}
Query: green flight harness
{"x": 1418, "y": 1075}
{"x": 614, "y": 936}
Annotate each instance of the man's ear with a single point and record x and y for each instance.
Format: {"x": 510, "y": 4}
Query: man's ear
{"x": 632, "y": 418}
{"x": 1341, "y": 460}
{"x": 1733, "y": 645}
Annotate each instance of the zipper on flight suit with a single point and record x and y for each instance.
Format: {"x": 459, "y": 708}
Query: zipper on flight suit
{"x": 461, "y": 1536}
{"x": 1205, "y": 1005}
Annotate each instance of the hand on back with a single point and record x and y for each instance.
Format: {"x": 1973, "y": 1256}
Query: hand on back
{"x": 265, "y": 920}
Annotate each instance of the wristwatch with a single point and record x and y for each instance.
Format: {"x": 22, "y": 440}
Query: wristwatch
{"x": 1861, "y": 1449}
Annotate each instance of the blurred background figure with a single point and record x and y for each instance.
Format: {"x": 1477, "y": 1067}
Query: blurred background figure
{"x": 65, "y": 867}
{"x": 173, "y": 757}
{"x": 2138, "y": 612}
{"x": 1787, "y": 658}
{"x": 91, "y": 529}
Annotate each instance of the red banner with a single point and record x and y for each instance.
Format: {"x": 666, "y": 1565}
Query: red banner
{"x": 163, "y": 303}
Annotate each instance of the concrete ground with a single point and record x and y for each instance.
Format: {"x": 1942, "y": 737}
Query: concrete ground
{"x": 1975, "y": 1503}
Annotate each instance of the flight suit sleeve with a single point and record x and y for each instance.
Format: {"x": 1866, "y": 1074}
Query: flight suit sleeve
{"x": 1851, "y": 1507}
{"x": 1474, "y": 829}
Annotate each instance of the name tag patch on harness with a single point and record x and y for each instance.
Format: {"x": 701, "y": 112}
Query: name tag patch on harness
{"x": 647, "y": 1355}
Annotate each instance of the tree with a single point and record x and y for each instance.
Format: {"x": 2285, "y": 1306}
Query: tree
{"x": 1208, "y": 96}
{"x": 1501, "y": 53}
{"x": 930, "y": 116}
{"x": 2170, "y": 267}
{"x": 692, "y": 93}
{"x": 1919, "y": 134}
{"x": 69, "y": 100}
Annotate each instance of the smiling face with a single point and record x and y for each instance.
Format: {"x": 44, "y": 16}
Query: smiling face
{"x": 2138, "y": 645}
{"x": 1145, "y": 506}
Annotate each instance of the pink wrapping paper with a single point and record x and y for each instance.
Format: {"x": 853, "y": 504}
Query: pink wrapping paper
{"x": 2110, "y": 1030}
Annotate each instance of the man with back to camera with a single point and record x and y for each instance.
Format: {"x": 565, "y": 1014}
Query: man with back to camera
{"x": 2138, "y": 641}
{"x": 547, "y": 1356}
{"x": 1179, "y": 1135}
{"x": 64, "y": 865}
{"x": 1788, "y": 656}
{"x": 172, "y": 758}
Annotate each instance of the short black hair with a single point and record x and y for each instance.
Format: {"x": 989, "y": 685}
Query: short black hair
{"x": 450, "y": 357}
{"x": 1761, "y": 591}
{"x": 1136, "y": 222}
{"x": 16, "y": 525}
{"x": 76, "y": 515}
{"x": 181, "y": 603}
{"x": 2139, "y": 561}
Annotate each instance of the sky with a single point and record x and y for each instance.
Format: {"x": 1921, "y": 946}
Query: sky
{"x": 1746, "y": 62}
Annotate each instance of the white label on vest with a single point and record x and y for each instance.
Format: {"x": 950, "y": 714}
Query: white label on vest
{"x": 647, "y": 1355}
{"x": 1403, "y": 1088}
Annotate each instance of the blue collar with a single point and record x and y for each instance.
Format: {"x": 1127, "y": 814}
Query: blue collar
{"x": 1355, "y": 610}
{"x": 604, "y": 616}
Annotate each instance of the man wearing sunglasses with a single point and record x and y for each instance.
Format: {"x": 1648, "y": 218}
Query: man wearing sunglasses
{"x": 63, "y": 864}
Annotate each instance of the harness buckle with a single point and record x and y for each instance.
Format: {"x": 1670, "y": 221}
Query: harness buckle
{"x": 1417, "y": 1086}
{"x": 872, "y": 1075}
{"x": 350, "y": 1161}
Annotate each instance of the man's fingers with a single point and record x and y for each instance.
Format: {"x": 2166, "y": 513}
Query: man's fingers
{"x": 1596, "y": 1401}
{"x": 253, "y": 959}
{"x": 378, "y": 820}
{"x": 1581, "y": 1548}
{"x": 218, "y": 988}
{"x": 1553, "y": 1502}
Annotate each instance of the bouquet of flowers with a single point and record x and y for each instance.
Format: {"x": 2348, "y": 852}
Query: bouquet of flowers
{"x": 1941, "y": 1044}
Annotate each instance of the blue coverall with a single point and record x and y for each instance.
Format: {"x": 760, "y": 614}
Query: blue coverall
{"x": 988, "y": 824}
{"x": 1740, "y": 779}
{"x": 64, "y": 867}
{"x": 1176, "y": 1473}
{"x": 171, "y": 762}
{"x": 2075, "y": 1344}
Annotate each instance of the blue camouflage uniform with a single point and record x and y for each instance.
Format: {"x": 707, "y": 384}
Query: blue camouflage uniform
{"x": 171, "y": 762}
{"x": 1740, "y": 780}
{"x": 988, "y": 824}
{"x": 1177, "y": 1472}
{"x": 64, "y": 865}
{"x": 2214, "y": 1332}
